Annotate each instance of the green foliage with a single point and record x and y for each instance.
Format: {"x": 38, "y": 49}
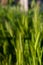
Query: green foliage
{"x": 21, "y": 37}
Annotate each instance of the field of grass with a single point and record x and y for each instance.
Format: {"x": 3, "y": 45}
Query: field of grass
{"x": 21, "y": 36}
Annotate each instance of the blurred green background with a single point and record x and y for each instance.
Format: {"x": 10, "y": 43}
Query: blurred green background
{"x": 21, "y": 36}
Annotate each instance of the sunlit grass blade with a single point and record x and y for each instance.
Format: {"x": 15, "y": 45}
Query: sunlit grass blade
{"x": 9, "y": 29}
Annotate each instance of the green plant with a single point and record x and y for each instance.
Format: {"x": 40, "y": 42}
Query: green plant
{"x": 21, "y": 36}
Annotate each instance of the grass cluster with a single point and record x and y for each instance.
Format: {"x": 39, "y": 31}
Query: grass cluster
{"x": 21, "y": 37}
